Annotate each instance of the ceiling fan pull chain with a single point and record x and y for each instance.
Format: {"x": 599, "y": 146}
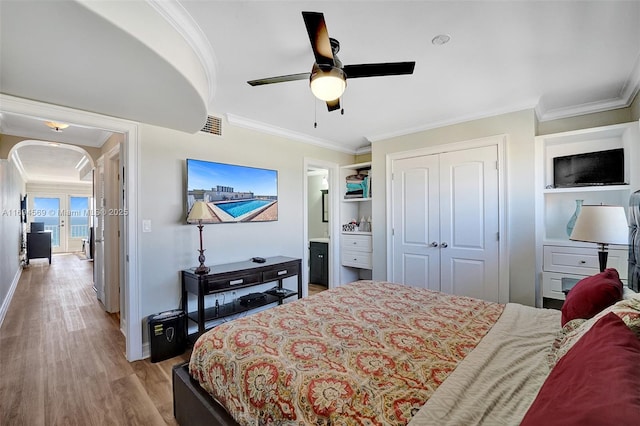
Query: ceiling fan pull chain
{"x": 315, "y": 113}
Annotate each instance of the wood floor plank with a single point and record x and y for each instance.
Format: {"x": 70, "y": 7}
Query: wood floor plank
{"x": 137, "y": 406}
{"x": 62, "y": 357}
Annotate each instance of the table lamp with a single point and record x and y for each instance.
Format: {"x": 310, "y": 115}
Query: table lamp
{"x": 602, "y": 225}
{"x": 199, "y": 212}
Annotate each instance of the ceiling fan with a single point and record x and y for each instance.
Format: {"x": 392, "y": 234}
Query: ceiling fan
{"x": 328, "y": 77}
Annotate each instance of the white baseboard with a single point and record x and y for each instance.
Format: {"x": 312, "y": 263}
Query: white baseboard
{"x": 146, "y": 350}
{"x": 7, "y": 301}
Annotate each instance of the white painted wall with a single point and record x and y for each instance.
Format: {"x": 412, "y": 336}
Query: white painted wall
{"x": 11, "y": 190}
{"x": 317, "y": 228}
{"x": 520, "y": 128}
{"x": 171, "y": 245}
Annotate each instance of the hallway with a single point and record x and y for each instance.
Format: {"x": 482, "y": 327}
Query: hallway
{"x": 62, "y": 356}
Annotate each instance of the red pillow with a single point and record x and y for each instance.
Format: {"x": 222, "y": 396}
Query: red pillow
{"x": 596, "y": 383}
{"x": 591, "y": 295}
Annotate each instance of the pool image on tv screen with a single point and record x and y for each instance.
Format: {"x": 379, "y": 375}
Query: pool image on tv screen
{"x": 233, "y": 193}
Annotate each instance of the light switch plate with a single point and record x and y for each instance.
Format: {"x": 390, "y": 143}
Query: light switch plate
{"x": 146, "y": 225}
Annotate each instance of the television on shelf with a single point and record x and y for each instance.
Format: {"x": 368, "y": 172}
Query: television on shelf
{"x": 233, "y": 193}
{"x": 589, "y": 169}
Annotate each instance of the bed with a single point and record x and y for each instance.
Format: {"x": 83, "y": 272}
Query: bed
{"x": 379, "y": 353}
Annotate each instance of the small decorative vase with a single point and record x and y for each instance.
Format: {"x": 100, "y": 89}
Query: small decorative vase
{"x": 574, "y": 217}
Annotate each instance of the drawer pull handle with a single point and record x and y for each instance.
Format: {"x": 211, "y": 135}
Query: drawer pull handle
{"x": 282, "y": 272}
{"x": 582, "y": 262}
{"x": 234, "y": 282}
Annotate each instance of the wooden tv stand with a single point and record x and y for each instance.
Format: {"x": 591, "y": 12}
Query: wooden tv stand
{"x": 233, "y": 276}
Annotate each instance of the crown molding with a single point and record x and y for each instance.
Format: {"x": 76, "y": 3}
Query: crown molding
{"x": 364, "y": 150}
{"x": 176, "y": 15}
{"x": 627, "y": 94}
{"x": 247, "y": 123}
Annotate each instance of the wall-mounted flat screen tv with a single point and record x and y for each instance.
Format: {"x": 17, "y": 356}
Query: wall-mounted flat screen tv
{"x": 589, "y": 169}
{"x": 233, "y": 193}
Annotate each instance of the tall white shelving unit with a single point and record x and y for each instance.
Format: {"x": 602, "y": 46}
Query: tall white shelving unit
{"x": 356, "y": 247}
{"x": 557, "y": 257}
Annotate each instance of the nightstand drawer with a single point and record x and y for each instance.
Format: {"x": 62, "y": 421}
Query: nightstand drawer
{"x": 552, "y": 284}
{"x": 356, "y": 259}
{"x": 581, "y": 260}
{"x": 356, "y": 242}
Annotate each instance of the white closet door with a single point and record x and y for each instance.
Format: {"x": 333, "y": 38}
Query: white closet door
{"x": 416, "y": 222}
{"x": 446, "y": 222}
{"x": 469, "y": 225}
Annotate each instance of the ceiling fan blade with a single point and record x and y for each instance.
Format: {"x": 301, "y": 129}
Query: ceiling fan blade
{"x": 378, "y": 70}
{"x": 280, "y": 79}
{"x": 319, "y": 37}
{"x": 333, "y": 105}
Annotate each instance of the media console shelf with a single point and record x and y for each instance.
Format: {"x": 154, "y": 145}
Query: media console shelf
{"x": 233, "y": 276}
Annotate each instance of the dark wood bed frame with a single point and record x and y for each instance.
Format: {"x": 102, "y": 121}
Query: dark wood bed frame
{"x": 192, "y": 405}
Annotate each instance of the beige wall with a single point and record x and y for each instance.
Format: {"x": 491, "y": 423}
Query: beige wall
{"x": 362, "y": 158}
{"x": 6, "y": 143}
{"x": 171, "y": 245}
{"x": 520, "y": 128}
{"x": 606, "y": 118}
{"x": 635, "y": 108}
{"x": 114, "y": 139}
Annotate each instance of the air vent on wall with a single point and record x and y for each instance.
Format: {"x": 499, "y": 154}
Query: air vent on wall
{"x": 213, "y": 126}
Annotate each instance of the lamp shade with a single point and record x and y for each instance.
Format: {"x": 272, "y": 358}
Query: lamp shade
{"x": 199, "y": 211}
{"x": 328, "y": 84}
{"x": 601, "y": 224}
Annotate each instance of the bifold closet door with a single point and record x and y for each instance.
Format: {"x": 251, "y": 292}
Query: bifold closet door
{"x": 445, "y": 222}
{"x": 416, "y": 222}
{"x": 469, "y": 225}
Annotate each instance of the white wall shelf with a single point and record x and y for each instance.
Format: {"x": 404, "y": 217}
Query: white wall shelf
{"x": 555, "y": 206}
{"x": 355, "y": 263}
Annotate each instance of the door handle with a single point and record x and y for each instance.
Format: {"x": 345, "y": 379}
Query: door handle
{"x": 444, "y": 245}
{"x": 434, "y": 244}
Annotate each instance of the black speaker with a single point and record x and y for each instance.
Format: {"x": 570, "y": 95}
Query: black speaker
{"x": 167, "y": 334}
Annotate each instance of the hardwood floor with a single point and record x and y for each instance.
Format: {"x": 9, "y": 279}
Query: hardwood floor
{"x": 62, "y": 357}
{"x": 315, "y": 289}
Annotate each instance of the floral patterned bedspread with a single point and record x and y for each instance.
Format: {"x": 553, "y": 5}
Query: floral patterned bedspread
{"x": 366, "y": 353}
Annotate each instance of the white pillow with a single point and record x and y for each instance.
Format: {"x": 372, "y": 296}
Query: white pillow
{"x": 627, "y": 293}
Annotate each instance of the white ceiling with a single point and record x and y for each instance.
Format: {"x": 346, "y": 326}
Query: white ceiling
{"x": 563, "y": 58}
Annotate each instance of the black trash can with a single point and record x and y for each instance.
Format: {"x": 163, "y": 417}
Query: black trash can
{"x": 167, "y": 334}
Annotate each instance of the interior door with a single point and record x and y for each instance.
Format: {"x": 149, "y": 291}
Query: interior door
{"x": 445, "y": 222}
{"x": 469, "y": 225}
{"x": 98, "y": 221}
{"x": 416, "y": 222}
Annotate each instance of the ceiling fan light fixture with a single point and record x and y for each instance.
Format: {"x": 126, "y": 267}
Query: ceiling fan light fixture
{"x": 328, "y": 84}
{"x": 55, "y": 126}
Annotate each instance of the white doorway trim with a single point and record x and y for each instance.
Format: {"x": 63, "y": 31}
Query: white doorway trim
{"x": 130, "y": 153}
{"x": 501, "y": 142}
{"x": 334, "y": 226}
